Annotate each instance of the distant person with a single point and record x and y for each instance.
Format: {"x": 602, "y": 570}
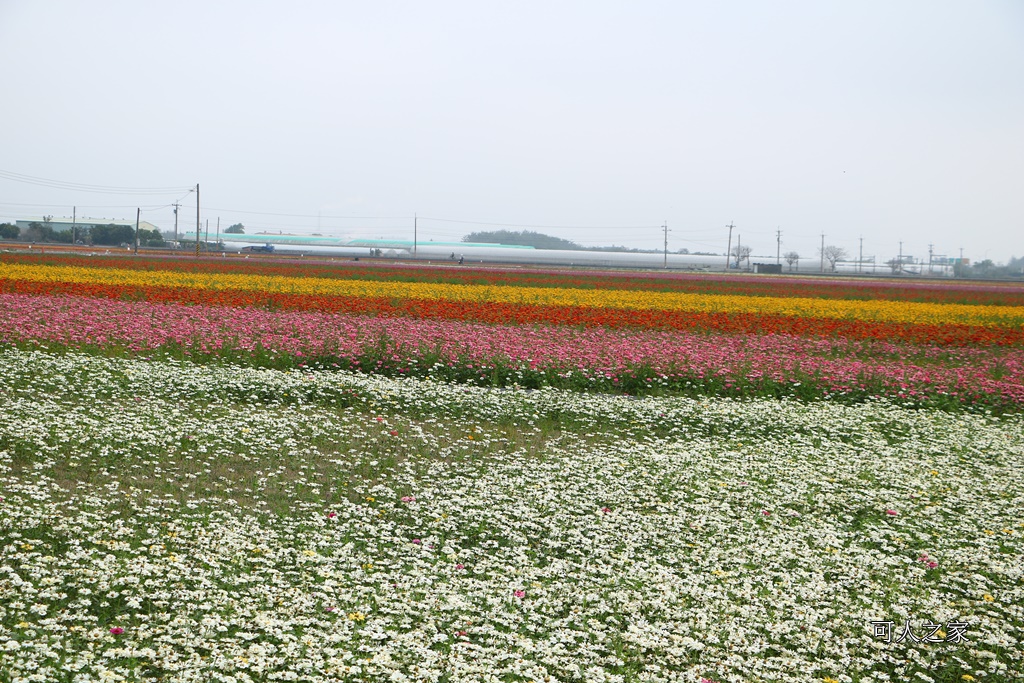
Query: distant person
{"x": 462, "y": 259}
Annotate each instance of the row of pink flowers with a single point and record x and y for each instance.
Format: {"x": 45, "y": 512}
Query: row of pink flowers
{"x": 835, "y": 364}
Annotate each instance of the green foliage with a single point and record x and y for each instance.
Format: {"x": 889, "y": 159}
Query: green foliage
{"x": 236, "y": 229}
{"x": 987, "y": 269}
{"x": 525, "y": 238}
{"x": 9, "y": 231}
{"x": 150, "y": 238}
{"x": 44, "y": 232}
{"x": 113, "y": 234}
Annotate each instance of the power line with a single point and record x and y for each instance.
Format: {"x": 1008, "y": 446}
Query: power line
{"x": 305, "y": 215}
{"x": 86, "y": 187}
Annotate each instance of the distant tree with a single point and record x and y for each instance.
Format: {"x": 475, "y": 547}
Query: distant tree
{"x": 150, "y": 238}
{"x": 741, "y": 252}
{"x": 985, "y": 268}
{"x": 792, "y": 258}
{"x": 684, "y": 250}
{"x": 833, "y": 254}
{"x": 36, "y": 232}
{"x": 895, "y": 264}
{"x": 236, "y": 229}
{"x": 525, "y": 238}
{"x": 113, "y": 235}
{"x": 9, "y": 231}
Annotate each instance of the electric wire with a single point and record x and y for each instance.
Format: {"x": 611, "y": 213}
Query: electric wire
{"x": 87, "y": 187}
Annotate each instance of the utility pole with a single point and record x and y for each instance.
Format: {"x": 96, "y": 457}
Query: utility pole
{"x": 197, "y": 220}
{"x": 176, "y": 205}
{"x": 415, "y": 234}
{"x": 901, "y": 258}
{"x": 823, "y": 252}
{"x": 74, "y": 219}
{"x": 739, "y": 249}
{"x": 778, "y": 246}
{"x": 138, "y": 212}
{"x": 218, "y": 230}
{"x": 860, "y": 259}
{"x": 961, "y": 262}
{"x": 207, "y": 240}
{"x": 665, "y": 228}
{"x": 930, "y": 258}
{"x": 728, "y": 249}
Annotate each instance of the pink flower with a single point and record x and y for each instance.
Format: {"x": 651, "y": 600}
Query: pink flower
{"x": 933, "y": 564}
{"x": 606, "y": 510}
{"x": 891, "y": 513}
{"x": 332, "y": 515}
{"x": 408, "y": 499}
{"x": 519, "y": 594}
{"x": 460, "y": 566}
{"x": 417, "y": 541}
{"x": 328, "y": 609}
{"x": 765, "y": 513}
{"x": 117, "y": 630}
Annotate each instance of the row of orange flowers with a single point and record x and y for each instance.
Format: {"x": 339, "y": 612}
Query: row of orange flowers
{"x": 888, "y": 312}
{"x": 505, "y": 313}
{"x": 933, "y": 291}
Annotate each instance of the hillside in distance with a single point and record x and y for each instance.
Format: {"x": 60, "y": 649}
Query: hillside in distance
{"x": 537, "y": 240}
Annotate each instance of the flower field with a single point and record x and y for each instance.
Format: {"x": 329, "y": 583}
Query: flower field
{"x": 241, "y": 471}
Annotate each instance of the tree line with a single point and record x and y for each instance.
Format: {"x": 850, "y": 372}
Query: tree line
{"x": 103, "y": 235}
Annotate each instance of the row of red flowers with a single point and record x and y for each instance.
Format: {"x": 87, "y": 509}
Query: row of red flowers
{"x": 735, "y": 323}
{"x": 932, "y": 292}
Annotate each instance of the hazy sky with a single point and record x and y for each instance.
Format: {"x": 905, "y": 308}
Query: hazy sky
{"x": 888, "y": 120}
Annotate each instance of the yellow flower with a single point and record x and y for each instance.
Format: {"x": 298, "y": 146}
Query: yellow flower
{"x": 852, "y": 309}
{"x": 967, "y": 677}
{"x": 828, "y": 679}
{"x": 987, "y": 598}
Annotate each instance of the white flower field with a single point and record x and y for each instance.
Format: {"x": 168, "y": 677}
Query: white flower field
{"x": 167, "y": 521}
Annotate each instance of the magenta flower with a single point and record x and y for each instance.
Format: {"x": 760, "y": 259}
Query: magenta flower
{"x": 891, "y": 513}
{"x": 417, "y": 541}
{"x": 408, "y": 499}
{"x": 332, "y": 515}
{"x": 460, "y": 566}
{"x": 519, "y": 594}
{"x": 606, "y": 510}
{"x": 765, "y": 513}
{"x": 117, "y": 630}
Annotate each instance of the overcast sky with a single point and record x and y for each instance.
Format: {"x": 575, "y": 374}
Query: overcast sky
{"x": 888, "y": 120}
